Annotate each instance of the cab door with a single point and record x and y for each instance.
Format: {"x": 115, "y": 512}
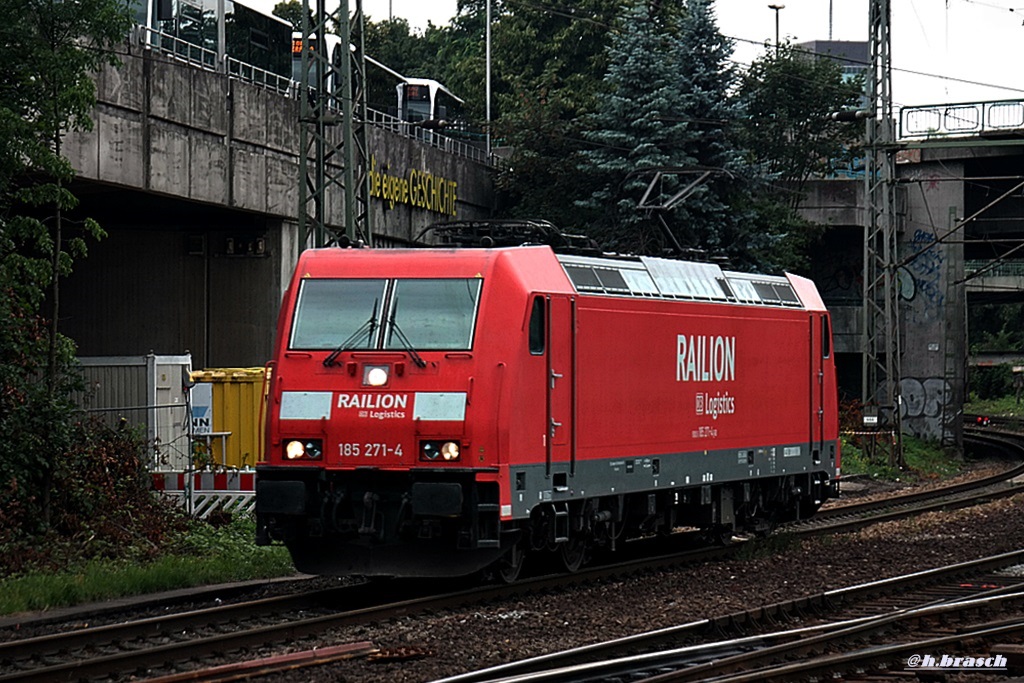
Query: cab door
{"x": 820, "y": 350}
{"x": 560, "y": 390}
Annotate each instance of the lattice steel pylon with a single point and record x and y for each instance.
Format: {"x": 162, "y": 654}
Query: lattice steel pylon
{"x": 881, "y": 329}
{"x": 332, "y": 93}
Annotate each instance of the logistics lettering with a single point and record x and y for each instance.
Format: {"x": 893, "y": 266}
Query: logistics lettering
{"x": 716, "y": 405}
{"x": 419, "y": 189}
{"x": 705, "y": 358}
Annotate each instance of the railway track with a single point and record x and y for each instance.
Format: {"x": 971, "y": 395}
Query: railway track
{"x": 920, "y": 605}
{"x": 157, "y": 645}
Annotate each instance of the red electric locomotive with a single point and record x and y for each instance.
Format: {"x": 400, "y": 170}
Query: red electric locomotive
{"x": 434, "y": 412}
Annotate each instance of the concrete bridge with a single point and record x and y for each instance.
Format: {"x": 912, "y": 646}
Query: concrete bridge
{"x": 960, "y": 213}
{"x": 194, "y": 175}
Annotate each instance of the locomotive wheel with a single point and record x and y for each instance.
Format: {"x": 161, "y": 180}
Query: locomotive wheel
{"x": 719, "y": 534}
{"x": 572, "y": 553}
{"x": 511, "y": 564}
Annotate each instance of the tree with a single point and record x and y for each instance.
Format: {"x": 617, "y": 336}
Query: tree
{"x": 788, "y": 98}
{"x": 715, "y": 218}
{"x": 393, "y": 43}
{"x": 291, "y": 11}
{"x": 663, "y": 121}
{"x": 50, "y": 51}
{"x": 549, "y": 65}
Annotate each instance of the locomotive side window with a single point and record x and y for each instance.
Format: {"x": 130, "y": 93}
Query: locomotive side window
{"x": 433, "y": 314}
{"x": 826, "y": 338}
{"x": 537, "y": 327}
{"x": 329, "y": 312}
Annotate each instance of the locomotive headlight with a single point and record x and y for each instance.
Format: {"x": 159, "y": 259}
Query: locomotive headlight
{"x": 310, "y": 449}
{"x": 429, "y": 451}
{"x": 375, "y": 375}
{"x": 447, "y": 451}
{"x": 450, "y": 451}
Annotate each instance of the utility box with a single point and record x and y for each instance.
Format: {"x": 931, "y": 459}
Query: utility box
{"x": 150, "y": 392}
{"x": 228, "y": 431}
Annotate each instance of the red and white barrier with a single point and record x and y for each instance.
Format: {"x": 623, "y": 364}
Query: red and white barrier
{"x": 203, "y": 493}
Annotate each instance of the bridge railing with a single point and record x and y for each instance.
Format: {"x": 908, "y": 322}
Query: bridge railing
{"x": 176, "y": 48}
{"x": 967, "y": 118}
{"x": 205, "y": 58}
{"x": 1008, "y": 268}
{"x": 430, "y": 137}
{"x": 261, "y": 77}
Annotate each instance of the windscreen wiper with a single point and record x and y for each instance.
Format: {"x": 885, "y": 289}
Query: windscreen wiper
{"x": 368, "y": 327}
{"x": 420, "y": 363}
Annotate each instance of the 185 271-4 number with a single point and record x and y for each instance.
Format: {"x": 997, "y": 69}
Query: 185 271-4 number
{"x": 368, "y": 450}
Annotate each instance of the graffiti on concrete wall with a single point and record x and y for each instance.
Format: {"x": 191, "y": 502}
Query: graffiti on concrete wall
{"x": 925, "y": 289}
{"x": 926, "y": 407}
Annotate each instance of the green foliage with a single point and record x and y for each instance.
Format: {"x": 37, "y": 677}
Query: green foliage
{"x": 996, "y": 327}
{"x": 49, "y": 51}
{"x": 291, "y": 11}
{"x": 991, "y": 382}
{"x": 204, "y": 555}
{"x": 103, "y": 508}
{"x": 1002, "y": 406}
{"x": 924, "y": 459}
{"x": 788, "y": 97}
{"x": 666, "y": 117}
{"x": 633, "y": 132}
{"x": 549, "y": 67}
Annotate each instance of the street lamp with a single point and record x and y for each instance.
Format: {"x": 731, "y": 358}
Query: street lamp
{"x": 776, "y": 8}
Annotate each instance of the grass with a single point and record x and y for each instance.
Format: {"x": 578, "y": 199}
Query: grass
{"x": 1005, "y": 406}
{"x": 206, "y": 555}
{"x": 924, "y": 460}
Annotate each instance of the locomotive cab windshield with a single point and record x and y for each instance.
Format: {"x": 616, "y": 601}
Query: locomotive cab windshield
{"x": 379, "y": 314}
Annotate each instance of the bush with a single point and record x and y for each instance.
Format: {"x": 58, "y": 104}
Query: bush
{"x": 101, "y": 508}
{"x": 991, "y": 382}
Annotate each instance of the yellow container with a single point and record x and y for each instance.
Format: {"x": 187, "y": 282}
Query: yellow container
{"x": 239, "y": 417}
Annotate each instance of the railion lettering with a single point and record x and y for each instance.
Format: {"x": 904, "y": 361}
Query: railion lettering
{"x": 705, "y": 358}
{"x": 373, "y": 401}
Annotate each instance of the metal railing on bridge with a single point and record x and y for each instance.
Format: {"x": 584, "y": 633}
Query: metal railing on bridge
{"x": 1008, "y": 268}
{"x": 205, "y": 58}
{"x": 962, "y": 119}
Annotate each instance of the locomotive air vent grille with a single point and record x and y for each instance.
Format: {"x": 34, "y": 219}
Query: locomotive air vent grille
{"x": 667, "y": 279}
{"x": 584, "y": 278}
{"x": 766, "y": 292}
{"x": 612, "y": 280}
{"x": 786, "y": 294}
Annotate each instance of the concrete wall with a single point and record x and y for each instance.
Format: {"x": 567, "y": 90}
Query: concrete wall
{"x": 931, "y": 199}
{"x": 169, "y": 283}
{"x": 933, "y": 307}
{"x": 168, "y": 128}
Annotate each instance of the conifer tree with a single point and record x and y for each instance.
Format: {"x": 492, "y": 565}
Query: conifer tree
{"x": 714, "y": 217}
{"x": 634, "y": 132}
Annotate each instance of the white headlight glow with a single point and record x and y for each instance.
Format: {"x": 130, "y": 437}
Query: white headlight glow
{"x": 450, "y": 451}
{"x": 375, "y": 375}
{"x": 294, "y": 449}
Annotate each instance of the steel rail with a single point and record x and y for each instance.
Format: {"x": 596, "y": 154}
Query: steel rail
{"x": 563, "y": 665}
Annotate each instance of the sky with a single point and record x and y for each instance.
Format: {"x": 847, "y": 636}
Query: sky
{"x": 977, "y": 45}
